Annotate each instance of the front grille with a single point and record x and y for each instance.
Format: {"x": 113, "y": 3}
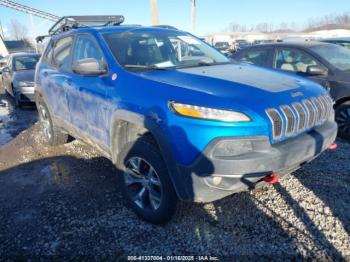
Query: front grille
{"x": 292, "y": 120}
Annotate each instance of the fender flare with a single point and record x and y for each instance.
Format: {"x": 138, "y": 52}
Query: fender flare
{"x": 152, "y": 126}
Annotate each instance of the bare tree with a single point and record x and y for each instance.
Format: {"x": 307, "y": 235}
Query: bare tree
{"x": 262, "y": 27}
{"x": 17, "y": 30}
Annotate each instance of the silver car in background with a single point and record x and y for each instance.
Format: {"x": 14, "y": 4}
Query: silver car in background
{"x": 18, "y": 76}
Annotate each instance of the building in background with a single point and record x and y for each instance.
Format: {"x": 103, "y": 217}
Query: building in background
{"x": 15, "y": 46}
{"x": 232, "y": 37}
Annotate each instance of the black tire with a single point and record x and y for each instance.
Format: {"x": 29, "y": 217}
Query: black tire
{"x": 342, "y": 116}
{"x": 53, "y": 134}
{"x": 148, "y": 152}
{"x": 16, "y": 97}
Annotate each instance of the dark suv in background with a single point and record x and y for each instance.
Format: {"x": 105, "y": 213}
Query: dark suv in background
{"x": 325, "y": 63}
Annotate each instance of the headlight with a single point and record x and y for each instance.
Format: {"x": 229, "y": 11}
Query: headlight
{"x": 208, "y": 113}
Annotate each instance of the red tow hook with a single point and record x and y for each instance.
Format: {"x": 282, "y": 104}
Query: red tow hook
{"x": 271, "y": 179}
{"x": 333, "y": 146}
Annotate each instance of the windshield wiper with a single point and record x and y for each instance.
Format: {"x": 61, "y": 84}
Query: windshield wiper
{"x": 151, "y": 67}
{"x": 202, "y": 63}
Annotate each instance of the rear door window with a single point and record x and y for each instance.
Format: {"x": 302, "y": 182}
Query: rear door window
{"x": 61, "y": 53}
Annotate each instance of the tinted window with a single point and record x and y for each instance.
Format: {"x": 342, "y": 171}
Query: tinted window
{"x": 256, "y": 57}
{"x": 293, "y": 60}
{"x": 61, "y": 52}
{"x": 86, "y": 47}
{"x": 25, "y": 62}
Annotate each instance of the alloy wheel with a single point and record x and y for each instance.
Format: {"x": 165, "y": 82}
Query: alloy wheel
{"x": 45, "y": 121}
{"x": 142, "y": 183}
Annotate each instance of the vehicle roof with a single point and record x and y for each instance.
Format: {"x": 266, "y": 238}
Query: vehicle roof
{"x": 302, "y": 44}
{"x": 24, "y": 54}
{"x": 346, "y": 39}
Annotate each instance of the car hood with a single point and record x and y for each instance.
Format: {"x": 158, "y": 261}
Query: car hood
{"x": 244, "y": 84}
{"x": 24, "y": 75}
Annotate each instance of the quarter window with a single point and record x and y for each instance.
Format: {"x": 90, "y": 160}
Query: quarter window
{"x": 47, "y": 58}
{"x": 62, "y": 52}
{"x": 293, "y": 60}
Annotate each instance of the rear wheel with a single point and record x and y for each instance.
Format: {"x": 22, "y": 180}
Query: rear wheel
{"x": 145, "y": 181}
{"x": 342, "y": 116}
{"x": 53, "y": 135}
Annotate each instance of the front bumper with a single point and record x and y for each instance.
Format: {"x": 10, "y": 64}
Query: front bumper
{"x": 27, "y": 94}
{"x": 215, "y": 175}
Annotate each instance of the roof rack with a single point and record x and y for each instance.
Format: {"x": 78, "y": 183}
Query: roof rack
{"x": 67, "y": 23}
{"x": 166, "y": 27}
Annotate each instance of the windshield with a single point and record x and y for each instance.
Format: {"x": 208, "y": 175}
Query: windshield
{"x": 161, "y": 50}
{"x": 25, "y": 62}
{"x": 336, "y": 55}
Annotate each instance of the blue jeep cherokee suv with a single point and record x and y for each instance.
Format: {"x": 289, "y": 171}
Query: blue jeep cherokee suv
{"x": 178, "y": 119}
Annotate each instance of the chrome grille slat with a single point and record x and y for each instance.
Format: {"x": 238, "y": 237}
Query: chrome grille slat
{"x": 311, "y": 113}
{"x": 330, "y": 105}
{"x": 325, "y": 107}
{"x": 276, "y": 121}
{"x": 290, "y": 120}
{"x": 318, "y": 108}
{"x": 301, "y": 116}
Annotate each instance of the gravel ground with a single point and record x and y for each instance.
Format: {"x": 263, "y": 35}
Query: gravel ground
{"x": 65, "y": 201}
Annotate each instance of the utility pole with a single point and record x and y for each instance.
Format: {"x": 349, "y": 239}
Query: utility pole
{"x": 154, "y": 12}
{"x": 2, "y": 31}
{"x": 193, "y": 15}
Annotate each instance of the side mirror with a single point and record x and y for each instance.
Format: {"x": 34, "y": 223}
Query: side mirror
{"x": 5, "y": 69}
{"x": 88, "y": 67}
{"x": 315, "y": 70}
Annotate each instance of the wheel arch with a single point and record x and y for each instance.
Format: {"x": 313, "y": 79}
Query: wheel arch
{"x": 341, "y": 101}
{"x": 127, "y": 126}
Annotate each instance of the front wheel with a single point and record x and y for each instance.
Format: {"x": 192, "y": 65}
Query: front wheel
{"x": 53, "y": 135}
{"x": 145, "y": 181}
{"x": 342, "y": 116}
{"x": 17, "y": 98}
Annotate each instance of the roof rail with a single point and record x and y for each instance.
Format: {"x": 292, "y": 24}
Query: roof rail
{"x": 67, "y": 23}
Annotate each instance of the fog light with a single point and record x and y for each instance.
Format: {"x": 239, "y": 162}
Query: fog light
{"x": 214, "y": 180}
{"x": 227, "y": 148}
